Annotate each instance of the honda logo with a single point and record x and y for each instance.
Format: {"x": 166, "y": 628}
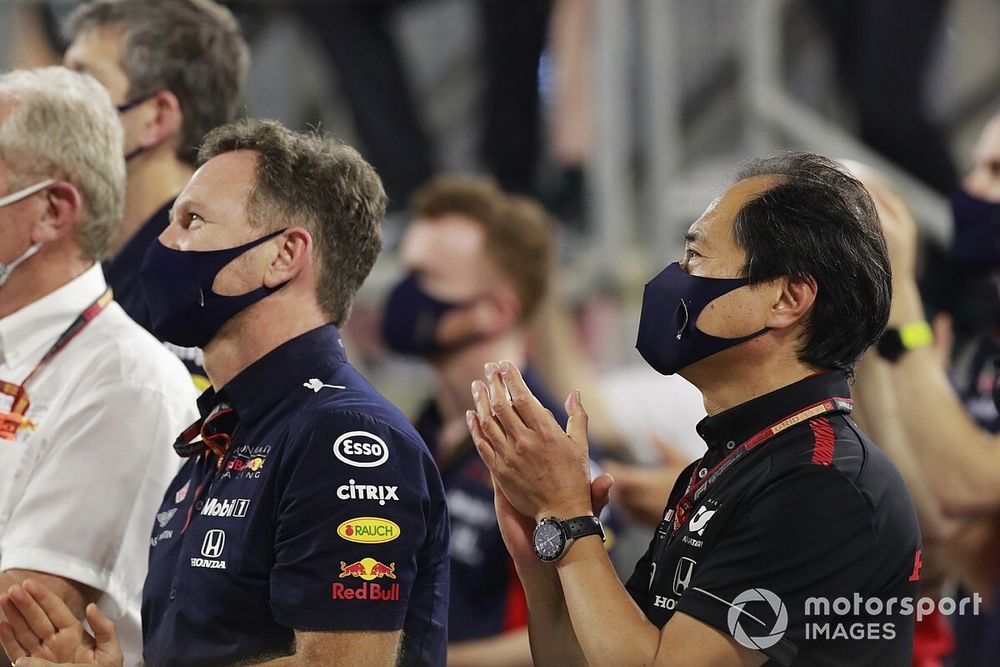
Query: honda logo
{"x": 215, "y": 541}
{"x": 682, "y": 577}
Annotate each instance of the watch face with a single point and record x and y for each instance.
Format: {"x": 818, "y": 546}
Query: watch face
{"x": 549, "y": 540}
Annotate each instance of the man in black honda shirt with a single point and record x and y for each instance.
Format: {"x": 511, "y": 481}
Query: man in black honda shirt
{"x": 793, "y": 541}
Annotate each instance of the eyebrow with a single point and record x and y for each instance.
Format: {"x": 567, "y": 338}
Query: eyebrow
{"x": 694, "y": 236}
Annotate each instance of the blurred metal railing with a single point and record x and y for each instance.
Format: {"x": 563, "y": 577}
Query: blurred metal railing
{"x": 772, "y": 111}
{"x": 637, "y": 58}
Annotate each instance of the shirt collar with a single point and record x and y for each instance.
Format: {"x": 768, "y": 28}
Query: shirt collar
{"x": 738, "y": 424}
{"x": 27, "y": 334}
{"x": 271, "y": 378}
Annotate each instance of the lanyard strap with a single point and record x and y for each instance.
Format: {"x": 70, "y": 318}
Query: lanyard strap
{"x": 212, "y": 432}
{"x": 19, "y": 391}
{"x": 698, "y": 486}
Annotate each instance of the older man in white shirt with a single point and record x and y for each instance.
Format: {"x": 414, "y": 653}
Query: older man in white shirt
{"x": 89, "y": 402}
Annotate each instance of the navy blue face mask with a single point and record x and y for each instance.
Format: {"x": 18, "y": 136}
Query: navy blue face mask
{"x": 178, "y": 286}
{"x": 411, "y": 319}
{"x": 977, "y": 230}
{"x": 127, "y": 106}
{"x": 668, "y": 339}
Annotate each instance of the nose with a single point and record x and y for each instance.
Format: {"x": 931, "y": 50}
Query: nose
{"x": 172, "y": 236}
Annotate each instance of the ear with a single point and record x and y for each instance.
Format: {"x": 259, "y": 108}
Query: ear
{"x": 499, "y": 311}
{"x": 294, "y": 256}
{"x": 162, "y": 122}
{"x": 794, "y": 298}
{"x": 61, "y": 210}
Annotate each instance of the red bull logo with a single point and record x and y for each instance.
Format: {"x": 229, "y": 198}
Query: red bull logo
{"x": 367, "y": 569}
{"x": 371, "y": 590}
{"x": 254, "y": 464}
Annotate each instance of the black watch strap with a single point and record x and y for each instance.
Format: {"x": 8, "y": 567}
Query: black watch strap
{"x": 582, "y": 526}
{"x": 890, "y": 345}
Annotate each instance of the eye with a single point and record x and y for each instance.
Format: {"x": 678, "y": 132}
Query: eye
{"x": 690, "y": 253}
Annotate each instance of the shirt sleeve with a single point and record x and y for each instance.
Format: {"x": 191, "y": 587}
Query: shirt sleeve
{"x": 806, "y": 534}
{"x": 355, "y": 525}
{"x": 98, "y": 478}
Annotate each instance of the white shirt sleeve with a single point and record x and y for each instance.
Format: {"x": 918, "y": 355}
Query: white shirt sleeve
{"x": 87, "y": 510}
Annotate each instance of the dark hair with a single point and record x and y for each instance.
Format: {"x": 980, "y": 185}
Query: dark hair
{"x": 518, "y": 231}
{"x": 820, "y": 222}
{"x": 193, "y": 48}
{"x": 315, "y": 181}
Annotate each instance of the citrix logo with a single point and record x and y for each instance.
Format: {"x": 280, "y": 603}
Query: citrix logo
{"x": 354, "y": 491}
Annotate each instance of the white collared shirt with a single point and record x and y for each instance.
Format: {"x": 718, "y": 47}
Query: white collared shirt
{"x": 79, "y": 488}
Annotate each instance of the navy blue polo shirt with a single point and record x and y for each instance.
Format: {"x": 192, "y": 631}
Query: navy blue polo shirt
{"x": 326, "y": 513}
{"x": 814, "y": 511}
{"x": 974, "y": 373}
{"x": 122, "y": 274}
{"x": 486, "y": 595}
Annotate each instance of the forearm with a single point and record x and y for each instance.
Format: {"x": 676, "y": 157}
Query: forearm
{"x": 882, "y": 420}
{"x": 74, "y": 594}
{"x": 365, "y": 648}
{"x": 550, "y": 631}
{"x": 601, "y": 610}
{"x": 961, "y": 461}
{"x": 509, "y": 649}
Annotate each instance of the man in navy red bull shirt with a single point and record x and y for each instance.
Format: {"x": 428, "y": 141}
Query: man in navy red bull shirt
{"x": 308, "y": 525}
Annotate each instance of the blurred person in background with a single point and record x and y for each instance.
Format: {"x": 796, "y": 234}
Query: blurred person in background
{"x": 308, "y": 525}
{"x": 175, "y": 69}
{"x": 882, "y": 52}
{"x": 359, "y": 38}
{"x": 478, "y": 263}
{"x": 87, "y": 397}
{"x": 948, "y": 425}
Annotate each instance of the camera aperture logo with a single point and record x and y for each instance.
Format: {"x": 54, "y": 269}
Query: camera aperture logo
{"x": 758, "y": 618}
{"x": 751, "y": 631}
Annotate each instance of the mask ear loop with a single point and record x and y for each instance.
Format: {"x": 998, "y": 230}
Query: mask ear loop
{"x": 683, "y": 326}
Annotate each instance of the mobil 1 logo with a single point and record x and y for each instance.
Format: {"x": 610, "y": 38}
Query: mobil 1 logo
{"x": 226, "y": 507}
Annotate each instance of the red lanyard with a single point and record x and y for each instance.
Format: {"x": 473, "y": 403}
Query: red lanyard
{"x": 11, "y": 422}
{"x": 697, "y": 487}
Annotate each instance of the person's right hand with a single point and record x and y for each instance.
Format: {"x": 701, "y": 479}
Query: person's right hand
{"x": 898, "y": 225}
{"x": 643, "y": 491}
{"x": 517, "y": 529}
{"x": 41, "y": 627}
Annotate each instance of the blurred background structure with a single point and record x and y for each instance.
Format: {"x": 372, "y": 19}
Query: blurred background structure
{"x": 624, "y": 117}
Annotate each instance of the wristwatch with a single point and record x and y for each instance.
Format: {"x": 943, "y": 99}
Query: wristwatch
{"x": 553, "y": 537}
{"x": 895, "y": 342}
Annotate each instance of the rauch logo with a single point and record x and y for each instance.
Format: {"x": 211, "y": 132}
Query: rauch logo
{"x": 368, "y": 530}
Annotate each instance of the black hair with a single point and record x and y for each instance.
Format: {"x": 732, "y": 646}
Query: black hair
{"x": 820, "y": 222}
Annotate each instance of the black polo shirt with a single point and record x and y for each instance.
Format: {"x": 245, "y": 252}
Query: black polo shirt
{"x": 326, "y": 513}
{"x": 122, "y": 275}
{"x": 812, "y": 511}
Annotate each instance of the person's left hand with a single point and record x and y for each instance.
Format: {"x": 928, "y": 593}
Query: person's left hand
{"x": 541, "y": 469}
{"x": 40, "y": 630}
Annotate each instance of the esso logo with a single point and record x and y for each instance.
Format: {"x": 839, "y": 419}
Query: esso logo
{"x": 361, "y": 449}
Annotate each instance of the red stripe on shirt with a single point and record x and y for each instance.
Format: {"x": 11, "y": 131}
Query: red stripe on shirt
{"x": 823, "y": 437}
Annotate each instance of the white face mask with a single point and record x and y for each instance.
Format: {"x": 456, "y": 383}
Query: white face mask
{"x": 7, "y": 269}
